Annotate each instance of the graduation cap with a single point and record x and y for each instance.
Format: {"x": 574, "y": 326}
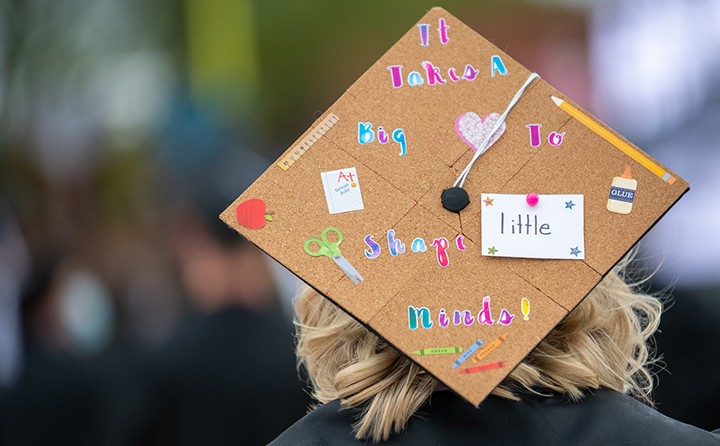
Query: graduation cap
{"x": 455, "y": 203}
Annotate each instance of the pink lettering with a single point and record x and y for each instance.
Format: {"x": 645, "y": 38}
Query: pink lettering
{"x": 470, "y": 73}
{"x": 441, "y": 244}
{"x": 534, "y": 134}
{"x": 382, "y": 136}
{"x": 468, "y": 318}
{"x": 484, "y": 316}
{"x": 556, "y": 139}
{"x": 396, "y": 73}
{"x": 505, "y": 317}
{"x": 433, "y": 74}
{"x": 443, "y": 32}
{"x": 463, "y": 317}
{"x": 443, "y": 320}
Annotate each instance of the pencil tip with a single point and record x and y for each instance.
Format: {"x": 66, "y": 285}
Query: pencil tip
{"x": 556, "y": 100}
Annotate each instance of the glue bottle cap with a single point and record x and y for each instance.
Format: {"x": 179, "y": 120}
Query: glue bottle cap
{"x": 626, "y": 174}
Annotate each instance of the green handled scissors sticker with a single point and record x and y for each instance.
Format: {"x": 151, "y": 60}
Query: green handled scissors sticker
{"x": 331, "y": 250}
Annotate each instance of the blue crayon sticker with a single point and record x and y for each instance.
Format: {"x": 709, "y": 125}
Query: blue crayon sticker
{"x": 468, "y": 353}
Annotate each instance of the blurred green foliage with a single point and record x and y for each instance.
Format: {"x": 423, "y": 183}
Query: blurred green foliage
{"x": 311, "y": 51}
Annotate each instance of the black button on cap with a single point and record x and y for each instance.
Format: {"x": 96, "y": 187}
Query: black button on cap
{"x": 455, "y": 199}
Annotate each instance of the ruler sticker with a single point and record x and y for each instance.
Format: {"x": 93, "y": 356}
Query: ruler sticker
{"x": 307, "y": 142}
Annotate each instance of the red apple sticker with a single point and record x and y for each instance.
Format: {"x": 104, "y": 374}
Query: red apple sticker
{"x": 251, "y": 213}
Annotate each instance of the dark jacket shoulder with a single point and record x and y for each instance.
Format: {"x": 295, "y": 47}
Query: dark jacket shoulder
{"x": 602, "y": 417}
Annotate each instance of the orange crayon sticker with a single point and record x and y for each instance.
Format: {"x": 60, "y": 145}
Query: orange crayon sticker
{"x": 486, "y": 351}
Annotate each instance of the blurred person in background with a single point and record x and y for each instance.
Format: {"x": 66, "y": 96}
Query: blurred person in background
{"x": 226, "y": 376}
{"x": 94, "y": 115}
{"x": 66, "y": 319}
{"x": 14, "y": 271}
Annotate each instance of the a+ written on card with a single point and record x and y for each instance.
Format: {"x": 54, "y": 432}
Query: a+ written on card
{"x": 342, "y": 190}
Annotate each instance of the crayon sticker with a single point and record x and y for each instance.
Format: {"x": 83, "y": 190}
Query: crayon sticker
{"x": 467, "y": 353}
{"x": 489, "y": 348}
{"x": 437, "y": 351}
{"x": 482, "y": 368}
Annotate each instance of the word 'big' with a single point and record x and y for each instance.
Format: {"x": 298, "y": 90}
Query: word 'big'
{"x": 367, "y": 135}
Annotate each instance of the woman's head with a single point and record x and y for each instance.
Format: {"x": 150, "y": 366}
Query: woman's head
{"x": 601, "y": 343}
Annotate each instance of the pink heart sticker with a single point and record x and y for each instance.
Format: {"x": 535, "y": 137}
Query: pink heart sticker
{"x": 474, "y": 130}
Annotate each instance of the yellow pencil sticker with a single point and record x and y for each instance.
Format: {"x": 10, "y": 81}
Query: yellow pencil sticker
{"x": 614, "y": 140}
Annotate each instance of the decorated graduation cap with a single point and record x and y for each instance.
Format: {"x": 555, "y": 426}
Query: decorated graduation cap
{"x": 455, "y": 204}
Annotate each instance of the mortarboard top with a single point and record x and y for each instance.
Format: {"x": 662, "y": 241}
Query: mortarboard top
{"x": 373, "y": 169}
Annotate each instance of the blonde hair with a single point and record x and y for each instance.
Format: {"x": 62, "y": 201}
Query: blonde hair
{"x": 603, "y": 342}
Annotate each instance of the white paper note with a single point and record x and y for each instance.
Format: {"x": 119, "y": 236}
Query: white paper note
{"x": 552, "y": 229}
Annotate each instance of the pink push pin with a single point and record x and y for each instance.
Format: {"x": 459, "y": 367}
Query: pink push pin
{"x": 532, "y": 199}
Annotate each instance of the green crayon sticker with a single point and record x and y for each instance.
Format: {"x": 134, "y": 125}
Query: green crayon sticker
{"x": 437, "y": 351}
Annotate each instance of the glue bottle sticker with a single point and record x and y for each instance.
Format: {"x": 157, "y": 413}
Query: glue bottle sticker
{"x": 622, "y": 193}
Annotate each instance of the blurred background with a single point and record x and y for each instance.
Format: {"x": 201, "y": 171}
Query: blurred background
{"x": 129, "y": 314}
